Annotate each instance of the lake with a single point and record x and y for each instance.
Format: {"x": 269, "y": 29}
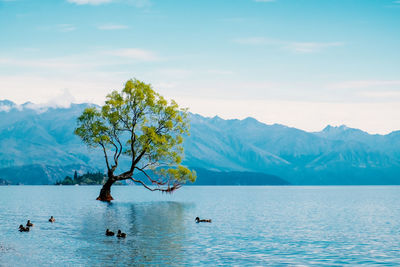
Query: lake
{"x": 264, "y": 225}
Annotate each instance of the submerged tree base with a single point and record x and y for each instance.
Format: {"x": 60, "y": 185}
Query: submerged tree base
{"x": 106, "y": 198}
{"x": 105, "y": 193}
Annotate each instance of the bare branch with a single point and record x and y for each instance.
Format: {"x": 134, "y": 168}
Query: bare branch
{"x": 169, "y": 189}
{"x": 105, "y": 155}
{"x": 138, "y": 158}
{"x": 151, "y": 180}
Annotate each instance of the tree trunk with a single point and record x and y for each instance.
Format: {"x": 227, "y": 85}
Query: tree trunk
{"x": 105, "y": 192}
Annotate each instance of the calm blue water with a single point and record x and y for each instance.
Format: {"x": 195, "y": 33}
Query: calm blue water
{"x": 251, "y": 226}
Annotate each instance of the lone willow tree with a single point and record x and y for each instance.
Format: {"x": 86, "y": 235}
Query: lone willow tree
{"x": 139, "y": 124}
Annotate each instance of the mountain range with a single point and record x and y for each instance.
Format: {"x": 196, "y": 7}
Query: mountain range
{"x": 39, "y": 145}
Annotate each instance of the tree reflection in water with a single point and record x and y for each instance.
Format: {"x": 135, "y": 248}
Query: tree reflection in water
{"x": 155, "y": 234}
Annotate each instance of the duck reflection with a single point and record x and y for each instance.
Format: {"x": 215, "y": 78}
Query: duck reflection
{"x": 155, "y": 234}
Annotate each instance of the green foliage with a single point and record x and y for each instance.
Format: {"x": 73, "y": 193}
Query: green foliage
{"x": 140, "y": 124}
{"x": 179, "y": 173}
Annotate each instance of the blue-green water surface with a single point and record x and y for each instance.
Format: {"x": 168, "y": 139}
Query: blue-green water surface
{"x": 251, "y": 226}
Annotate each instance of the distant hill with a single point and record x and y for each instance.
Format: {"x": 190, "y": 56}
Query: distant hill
{"x": 43, "y": 138}
{"x": 207, "y": 177}
{"x": 4, "y": 182}
{"x": 37, "y": 174}
{"x": 97, "y": 178}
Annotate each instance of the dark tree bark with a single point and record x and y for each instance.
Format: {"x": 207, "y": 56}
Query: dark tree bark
{"x": 105, "y": 192}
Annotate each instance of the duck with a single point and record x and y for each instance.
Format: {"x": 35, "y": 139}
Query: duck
{"x": 109, "y": 233}
{"x": 52, "y": 219}
{"x": 204, "y": 220}
{"x": 29, "y": 224}
{"x": 120, "y": 234}
{"x": 23, "y": 229}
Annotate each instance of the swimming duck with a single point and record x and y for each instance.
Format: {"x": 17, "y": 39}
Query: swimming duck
{"x": 120, "y": 234}
{"x": 29, "y": 224}
{"x": 52, "y": 219}
{"x": 23, "y": 229}
{"x": 204, "y": 220}
{"x": 109, "y": 233}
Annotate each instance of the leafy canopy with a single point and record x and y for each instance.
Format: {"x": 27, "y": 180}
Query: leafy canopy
{"x": 140, "y": 124}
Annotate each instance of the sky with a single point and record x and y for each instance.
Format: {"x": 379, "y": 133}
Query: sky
{"x": 301, "y": 63}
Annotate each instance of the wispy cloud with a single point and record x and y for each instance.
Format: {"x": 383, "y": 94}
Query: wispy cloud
{"x": 311, "y": 47}
{"x": 58, "y": 27}
{"x": 89, "y": 2}
{"x": 382, "y": 90}
{"x": 139, "y": 3}
{"x": 364, "y": 84}
{"x": 166, "y": 85}
{"x": 45, "y": 63}
{"x": 65, "y": 27}
{"x": 136, "y": 3}
{"x": 63, "y": 99}
{"x": 175, "y": 72}
{"x": 5, "y": 108}
{"x": 135, "y": 53}
{"x": 296, "y": 47}
{"x": 73, "y": 63}
{"x": 257, "y": 41}
{"x": 386, "y": 94}
{"x": 110, "y": 27}
{"x": 220, "y": 72}
{"x": 88, "y": 87}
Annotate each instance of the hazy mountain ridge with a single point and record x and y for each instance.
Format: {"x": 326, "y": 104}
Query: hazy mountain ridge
{"x": 32, "y": 134}
{"x": 41, "y": 174}
{"x": 336, "y": 155}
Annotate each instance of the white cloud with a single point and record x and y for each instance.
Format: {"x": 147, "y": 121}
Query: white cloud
{"x": 386, "y": 94}
{"x": 47, "y": 63}
{"x": 220, "y": 72}
{"x": 62, "y": 100}
{"x": 5, "y": 108}
{"x": 65, "y": 27}
{"x": 59, "y": 27}
{"x": 296, "y": 47}
{"x": 136, "y": 3}
{"x": 58, "y": 88}
{"x": 139, "y": 3}
{"x": 257, "y": 41}
{"x": 90, "y": 61}
{"x": 176, "y": 73}
{"x": 364, "y": 84}
{"x": 89, "y": 2}
{"x": 166, "y": 85}
{"x": 135, "y": 53}
{"x": 108, "y": 27}
{"x": 374, "y": 90}
{"x": 310, "y": 47}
